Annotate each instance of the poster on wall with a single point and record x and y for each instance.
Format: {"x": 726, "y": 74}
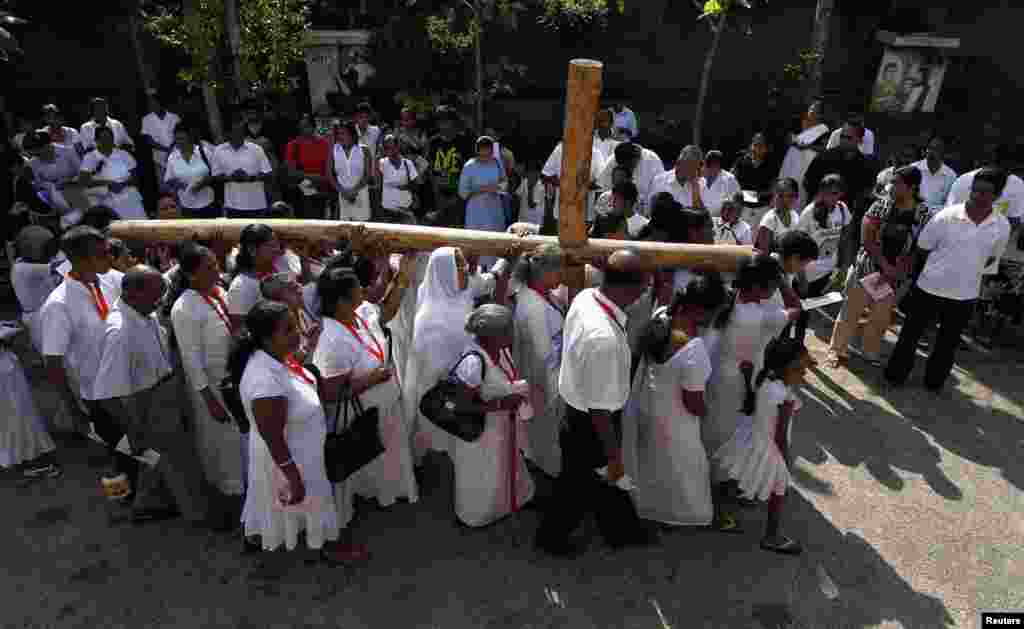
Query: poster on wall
{"x": 911, "y": 73}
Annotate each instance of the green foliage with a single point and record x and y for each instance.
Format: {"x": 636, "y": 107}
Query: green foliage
{"x": 800, "y": 71}
{"x": 446, "y": 37}
{"x": 578, "y": 15}
{"x": 271, "y": 39}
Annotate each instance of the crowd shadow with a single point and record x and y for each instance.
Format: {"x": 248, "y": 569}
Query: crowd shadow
{"x": 856, "y": 432}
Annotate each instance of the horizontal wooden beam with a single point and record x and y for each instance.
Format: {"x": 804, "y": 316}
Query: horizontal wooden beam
{"x": 389, "y": 237}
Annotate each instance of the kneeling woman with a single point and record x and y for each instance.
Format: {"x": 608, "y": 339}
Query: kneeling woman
{"x": 662, "y": 448}
{"x": 487, "y": 470}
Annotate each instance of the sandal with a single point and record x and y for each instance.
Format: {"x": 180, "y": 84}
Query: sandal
{"x": 785, "y": 546}
{"x": 727, "y": 523}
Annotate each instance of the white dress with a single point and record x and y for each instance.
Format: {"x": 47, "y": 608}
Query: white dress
{"x": 32, "y": 284}
{"x": 204, "y": 340}
{"x": 349, "y": 170}
{"x": 23, "y": 435}
{"x": 751, "y": 456}
{"x": 304, "y": 433}
{"x": 484, "y": 468}
{"x": 538, "y": 353}
{"x": 340, "y": 352}
{"x": 751, "y": 327}
{"x": 662, "y": 448}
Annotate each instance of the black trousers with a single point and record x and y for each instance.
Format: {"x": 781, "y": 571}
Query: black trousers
{"x": 109, "y": 429}
{"x": 579, "y": 490}
{"x": 924, "y": 308}
{"x": 814, "y": 289}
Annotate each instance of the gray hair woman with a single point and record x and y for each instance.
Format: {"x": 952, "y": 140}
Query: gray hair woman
{"x": 537, "y": 348}
{"x": 491, "y": 480}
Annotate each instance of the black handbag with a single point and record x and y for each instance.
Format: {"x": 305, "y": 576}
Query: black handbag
{"x": 357, "y": 444}
{"x": 440, "y": 405}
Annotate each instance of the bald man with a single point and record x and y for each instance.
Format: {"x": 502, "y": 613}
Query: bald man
{"x": 136, "y": 384}
{"x": 594, "y": 382}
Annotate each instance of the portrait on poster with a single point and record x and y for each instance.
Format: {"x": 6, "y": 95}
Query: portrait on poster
{"x": 909, "y": 80}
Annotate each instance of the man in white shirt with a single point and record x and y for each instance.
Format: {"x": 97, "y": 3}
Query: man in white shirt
{"x": 626, "y": 125}
{"x": 866, "y": 142}
{"x": 137, "y": 385}
{"x": 961, "y": 241}
{"x": 158, "y": 132}
{"x": 719, "y": 184}
{"x": 244, "y": 169}
{"x": 684, "y": 182}
{"x": 73, "y": 323}
{"x": 936, "y": 177}
{"x": 552, "y": 170}
{"x": 87, "y": 135}
{"x": 604, "y": 141}
{"x": 594, "y": 382}
{"x": 369, "y": 135}
{"x": 59, "y": 134}
{"x": 645, "y": 166}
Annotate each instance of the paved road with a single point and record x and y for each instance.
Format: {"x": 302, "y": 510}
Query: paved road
{"x": 908, "y": 504}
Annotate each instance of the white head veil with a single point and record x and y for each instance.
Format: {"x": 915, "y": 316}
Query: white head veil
{"x": 441, "y": 310}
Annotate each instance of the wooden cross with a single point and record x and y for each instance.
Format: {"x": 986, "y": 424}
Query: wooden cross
{"x": 583, "y": 95}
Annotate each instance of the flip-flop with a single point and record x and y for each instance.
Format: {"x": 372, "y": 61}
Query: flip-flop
{"x": 787, "y": 547}
{"x": 727, "y": 524}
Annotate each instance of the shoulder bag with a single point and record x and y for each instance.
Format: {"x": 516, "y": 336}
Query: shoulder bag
{"x": 440, "y": 405}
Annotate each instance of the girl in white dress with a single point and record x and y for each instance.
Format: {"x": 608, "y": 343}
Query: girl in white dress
{"x": 288, "y": 492}
{"x": 537, "y": 349}
{"x": 743, "y": 329}
{"x": 781, "y": 218}
{"x": 491, "y": 479}
{"x": 203, "y": 331}
{"x": 351, "y": 166}
{"x": 662, "y": 449}
{"x": 757, "y": 455}
{"x": 258, "y": 249}
{"x": 444, "y": 300}
{"x": 353, "y": 347}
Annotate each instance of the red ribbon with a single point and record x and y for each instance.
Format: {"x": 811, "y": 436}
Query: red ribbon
{"x": 297, "y": 369}
{"x": 98, "y": 300}
{"x": 377, "y": 353}
{"x": 216, "y": 301}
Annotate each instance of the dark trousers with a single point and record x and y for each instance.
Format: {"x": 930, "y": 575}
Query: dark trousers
{"x": 312, "y": 207}
{"x": 814, "y": 289}
{"x": 925, "y": 308}
{"x": 253, "y": 214}
{"x": 109, "y": 429}
{"x": 579, "y": 490}
{"x": 210, "y": 211}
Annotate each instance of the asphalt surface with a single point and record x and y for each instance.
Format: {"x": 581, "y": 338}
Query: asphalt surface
{"x": 908, "y": 504}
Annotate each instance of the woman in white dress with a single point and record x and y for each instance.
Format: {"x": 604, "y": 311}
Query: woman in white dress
{"x": 24, "y": 440}
{"x": 757, "y": 455}
{"x": 491, "y": 479}
{"x": 537, "y": 349}
{"x": 203, "y": 330}
{"x": 781, "y": 218}
{"x": 34, "y": 276}
{"x": 353, "y": 348}
{"x": 662, "y": 448}
{"x": 444, "y": 300}
{"x": 288, "y": 493}
{"x": 351, "y": 166}
{"x": 744, "y": 329}
{"x": 258, "y": 249}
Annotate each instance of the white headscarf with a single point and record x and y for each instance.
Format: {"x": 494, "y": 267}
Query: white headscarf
{"x": 442, "y": 308}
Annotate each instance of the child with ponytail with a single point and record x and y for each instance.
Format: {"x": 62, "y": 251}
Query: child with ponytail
{"x": 757, "y": 455}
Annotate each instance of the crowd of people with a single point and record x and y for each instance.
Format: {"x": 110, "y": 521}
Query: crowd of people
{"x": 662, "y": 395}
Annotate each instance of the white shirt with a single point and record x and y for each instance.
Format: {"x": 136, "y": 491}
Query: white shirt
{"x": 87, "y": 135}
{"x": 243, "y": 294}
{"x": 203, "y": 337}
{"x": 595, "y": 355}
{"x": 935, "y": 188}
{"x": 349, "y": 169}
{"x": 605, "y": 147}
{"x": 828, "y": 238}
{"x": 73, "y": 330}
{"x": 1009, "y": 204}
{"x": 265, "y": 377}
{"x": 682, "y": 193}
{"x": 391, "y": 197}
{"x": 725, "y": 186}
{"x": 649, "y": 167}
{"x": 117, "y": 166}
{"x": 772, "y": 222}
{"x": 738, "y": 233}
{"x": 866, "y": 146}
{"x": 958, "y": 250}
{"x": 190, "y": 172}
{"x": 162, "y": 132}
{"x": 135, "y": 355}
{"x": 251, "y": 159}
{"x": 369, "y": 138}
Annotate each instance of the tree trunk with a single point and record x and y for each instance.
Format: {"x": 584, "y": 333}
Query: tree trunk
{"x": 819, "y": 43}
{"x": 213, "y": 113}
{"x": 705, "y": 78}
{"x": 479, "y": 58}
{"x": 233, "y": 30}
{"x": 146, "y": 79}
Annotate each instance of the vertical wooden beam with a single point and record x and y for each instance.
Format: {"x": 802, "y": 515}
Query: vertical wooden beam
{"x": 583, "y": 93}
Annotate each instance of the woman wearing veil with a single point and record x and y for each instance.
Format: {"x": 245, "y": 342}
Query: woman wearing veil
{"x": 444, "y": 300}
